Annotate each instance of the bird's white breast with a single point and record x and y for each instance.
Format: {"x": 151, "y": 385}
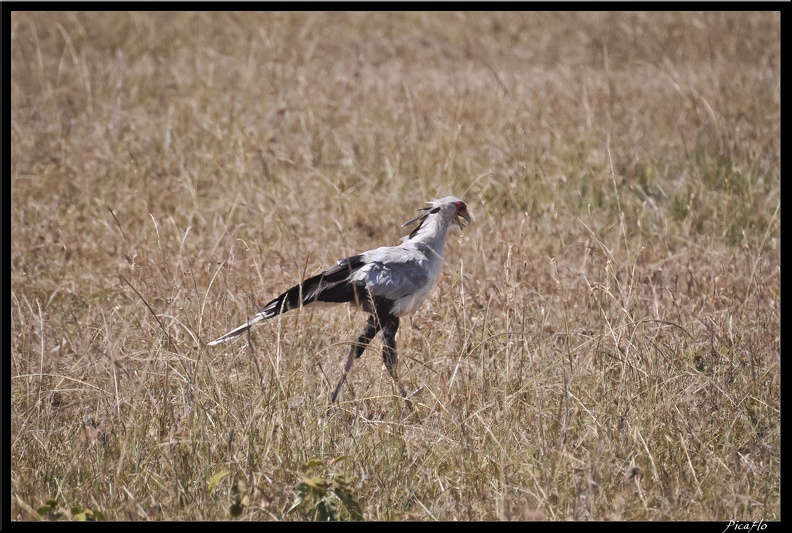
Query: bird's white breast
{"x": 407, "y": 305}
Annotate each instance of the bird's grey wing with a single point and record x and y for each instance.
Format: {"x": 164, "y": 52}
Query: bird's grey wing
{"x": 393, "y": 272}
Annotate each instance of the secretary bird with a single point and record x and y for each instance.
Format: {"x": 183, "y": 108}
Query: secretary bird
{"x": 388, "y": 282}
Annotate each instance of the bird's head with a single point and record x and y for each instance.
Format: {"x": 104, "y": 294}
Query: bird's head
{"x": 461, "y": 213}
{"x": 449, "y": 209}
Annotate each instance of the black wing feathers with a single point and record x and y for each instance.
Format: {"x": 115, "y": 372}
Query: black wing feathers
{"x": 332, "y": 285}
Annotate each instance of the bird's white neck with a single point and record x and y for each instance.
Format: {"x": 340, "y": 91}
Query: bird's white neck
{"x": 432, "y": 234}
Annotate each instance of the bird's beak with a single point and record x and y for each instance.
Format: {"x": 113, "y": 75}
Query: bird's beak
{"x": 461, "y": 216}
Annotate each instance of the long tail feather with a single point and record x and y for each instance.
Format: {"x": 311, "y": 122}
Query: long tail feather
{"x": 234, "y": 333}
{"x": 331, "y": 286}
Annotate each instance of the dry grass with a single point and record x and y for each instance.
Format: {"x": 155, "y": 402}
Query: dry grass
{"x": 605, "y": 340}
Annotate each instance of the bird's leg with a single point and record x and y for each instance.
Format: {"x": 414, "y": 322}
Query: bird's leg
{"x": 372, "y": 327}
{"x": 389, "y": 328}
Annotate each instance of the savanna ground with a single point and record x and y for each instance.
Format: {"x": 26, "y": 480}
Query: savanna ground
{"x": 604, "y": 342}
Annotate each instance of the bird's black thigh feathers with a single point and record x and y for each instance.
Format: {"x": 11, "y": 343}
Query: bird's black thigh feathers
{"x": 390, "y": 325}
{"x": 371, "y": 329}
{"x": 380, "y": 319}
{"x": 389, "y": 329}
